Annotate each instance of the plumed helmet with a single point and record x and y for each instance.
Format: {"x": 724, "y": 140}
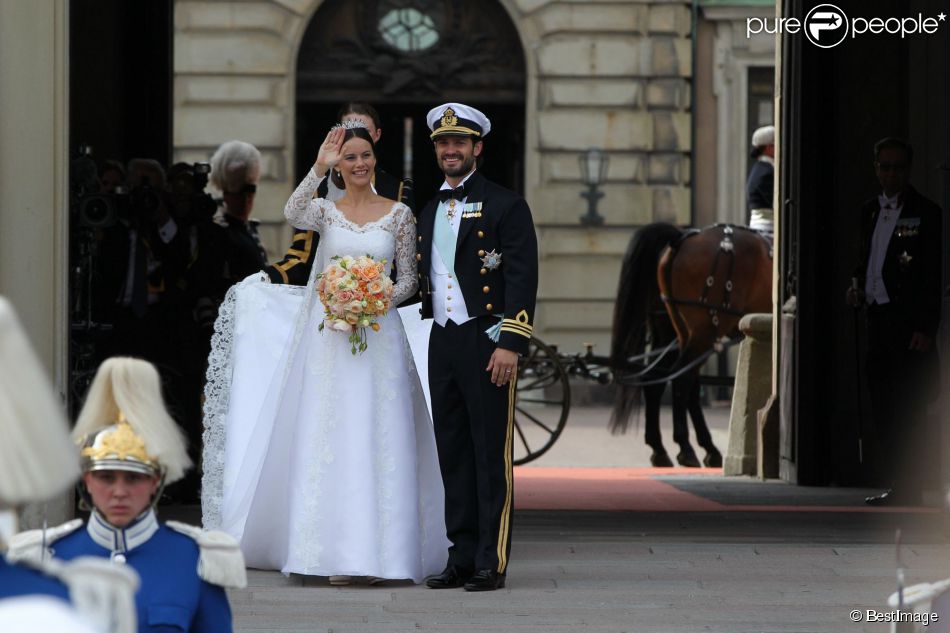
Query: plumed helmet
{"x": 37, "y": 460}
{"x": 124, "y": 424}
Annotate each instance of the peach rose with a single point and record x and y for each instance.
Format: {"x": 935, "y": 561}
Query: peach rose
{"x": 341, "y": 326}
{"x": 354, "y": 306}
{"x": 351, "y": 318}
{"x": 344, "y": 296}
{"x": 375, "y": 286}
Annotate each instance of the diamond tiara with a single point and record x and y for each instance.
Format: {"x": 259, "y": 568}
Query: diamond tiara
{"x": 350, "y": 125}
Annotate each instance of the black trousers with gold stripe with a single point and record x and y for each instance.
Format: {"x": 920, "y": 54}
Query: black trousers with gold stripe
{"x": 473, "y": 432}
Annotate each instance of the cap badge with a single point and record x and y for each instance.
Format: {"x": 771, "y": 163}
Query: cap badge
{"x": 491, "y": 260}
{"x": 449, "y": 119}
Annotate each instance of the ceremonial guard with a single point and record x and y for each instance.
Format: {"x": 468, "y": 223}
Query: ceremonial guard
{"x": 478, "y": 269}
{"x": 759, "y": 186}
{"x": 130, "y": 447}
{"x": 37, "y": 462}
{"x": 294, "y": 267}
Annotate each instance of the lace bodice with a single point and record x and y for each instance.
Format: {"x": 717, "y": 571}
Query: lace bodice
{"x": 391, "y": 237}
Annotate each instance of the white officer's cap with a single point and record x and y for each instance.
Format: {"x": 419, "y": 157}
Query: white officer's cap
{"x": 457, "y": 119}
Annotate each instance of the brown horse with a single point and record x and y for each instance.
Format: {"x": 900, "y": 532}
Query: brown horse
{"x": 693, "y": 287}
{"x": 709, "y": 280}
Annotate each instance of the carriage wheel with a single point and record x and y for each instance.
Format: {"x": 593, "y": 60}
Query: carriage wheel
{"x": 542, "y": 403}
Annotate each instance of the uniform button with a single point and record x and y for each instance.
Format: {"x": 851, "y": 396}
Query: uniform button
{"x": 449, "y": 298}
{"x": 484, "y": 271}
{"x": 450, "y": 276}
{"x": 418, "y": 257}
{"x": 420, "y": 310}
{"x": 481, "y": 253}
{"x": 420, "y": 237}
{"x": 448, "y": 309}
{"x": 119, "y": 558}
{"x": 420, "y": 275}
{"x": 420, "y": 294}
{"x": 486, "y": 290}
{"x": 488, "y": 306}
{"x": 481, "y": 234}
{"x": 450, "y": 285}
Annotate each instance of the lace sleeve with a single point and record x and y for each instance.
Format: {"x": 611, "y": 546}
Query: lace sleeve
{"x": 302, "y": 209}
{"x": 406, "y": 281}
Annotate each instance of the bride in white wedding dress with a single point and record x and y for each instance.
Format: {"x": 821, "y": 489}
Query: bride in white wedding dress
{"x": 321, "y": 461}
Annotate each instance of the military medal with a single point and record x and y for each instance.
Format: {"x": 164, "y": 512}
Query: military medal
{"x": 450, "y": 210}
{"x": 905, "y": 259}
{"x": 491, "y": 260}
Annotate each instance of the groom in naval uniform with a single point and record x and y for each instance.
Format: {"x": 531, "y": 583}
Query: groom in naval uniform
{"x": 478, "y": 277}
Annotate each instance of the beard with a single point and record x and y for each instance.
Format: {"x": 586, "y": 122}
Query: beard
{"x": 464, "y": 167}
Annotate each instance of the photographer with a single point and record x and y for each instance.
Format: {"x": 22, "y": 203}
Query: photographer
{"x": 142, "y": 256}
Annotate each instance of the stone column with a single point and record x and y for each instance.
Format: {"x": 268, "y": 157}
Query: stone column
{"x": 751, "y": 392}
{"x": 34, "y": 198}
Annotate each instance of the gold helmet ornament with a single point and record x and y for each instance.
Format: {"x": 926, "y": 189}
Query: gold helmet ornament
{"x": 118, "y": 447}
{"x": 124, "y": 424}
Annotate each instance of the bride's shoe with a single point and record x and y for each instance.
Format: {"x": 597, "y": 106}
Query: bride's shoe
{"x": 340, "y": 581}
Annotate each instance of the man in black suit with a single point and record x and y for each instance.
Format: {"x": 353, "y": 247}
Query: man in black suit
{"x": 295, "y": 266}
{"x": 898, "y": 277}
{"x": 478, "y": 271}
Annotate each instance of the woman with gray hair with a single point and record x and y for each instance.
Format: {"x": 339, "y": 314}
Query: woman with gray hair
{"x": 235, "y": 170}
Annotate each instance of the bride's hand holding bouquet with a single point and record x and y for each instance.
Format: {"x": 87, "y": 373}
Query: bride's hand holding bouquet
{"x": 355, "y": 292}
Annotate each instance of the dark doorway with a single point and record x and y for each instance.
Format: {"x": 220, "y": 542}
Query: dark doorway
{"x": 837, "y": 103}
{"x": 406, "y": 57}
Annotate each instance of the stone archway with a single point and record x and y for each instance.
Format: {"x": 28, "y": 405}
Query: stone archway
{"x": 404, "y": 57}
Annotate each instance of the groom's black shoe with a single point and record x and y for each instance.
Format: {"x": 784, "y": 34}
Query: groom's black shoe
{"x": 485, "y": 580}
{"x": 452, "y": 577}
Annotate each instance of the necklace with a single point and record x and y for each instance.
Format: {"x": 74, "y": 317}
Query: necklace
{"x": 450, "y": 210}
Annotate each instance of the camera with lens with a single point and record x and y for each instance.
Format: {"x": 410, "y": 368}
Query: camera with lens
{"x": 189, "y": 202}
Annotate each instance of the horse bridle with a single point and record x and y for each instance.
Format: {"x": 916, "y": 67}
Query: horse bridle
{"x": 726, "y": 247}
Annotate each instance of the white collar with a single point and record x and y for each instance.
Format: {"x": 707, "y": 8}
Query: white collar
{"x": 765, "y": 158}
{"x": 446, "y": 185}
{"x": 894, "y": 202}
{"x": 122, "y": 539}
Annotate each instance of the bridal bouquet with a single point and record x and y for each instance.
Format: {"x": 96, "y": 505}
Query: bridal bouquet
{"x": 355, "y": 292}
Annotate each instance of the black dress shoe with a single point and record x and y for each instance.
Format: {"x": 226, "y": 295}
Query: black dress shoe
{"x": 485, "y": 580}
{"x": 891, "y": 497}
{"x": 452, "y": 577}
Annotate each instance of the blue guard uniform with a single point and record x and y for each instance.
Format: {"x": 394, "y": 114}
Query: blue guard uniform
{"x": 171, "y": 560}
{"x": 24, "y": 580}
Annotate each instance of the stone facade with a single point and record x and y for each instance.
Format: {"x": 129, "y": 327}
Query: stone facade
{"x": 613, "y": 74}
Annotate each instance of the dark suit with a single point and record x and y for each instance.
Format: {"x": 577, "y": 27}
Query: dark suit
{"x": 902, "y": 382}
{"x": 473, "y": 418}
{"x": 294, "y": 267}
{"x": 758, "y": 187}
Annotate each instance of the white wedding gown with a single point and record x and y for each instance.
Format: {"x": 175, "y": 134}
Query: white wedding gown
{"x": 319, "y": 461}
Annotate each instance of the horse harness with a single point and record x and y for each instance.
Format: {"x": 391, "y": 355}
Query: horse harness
{"x": 726, "y": 249}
